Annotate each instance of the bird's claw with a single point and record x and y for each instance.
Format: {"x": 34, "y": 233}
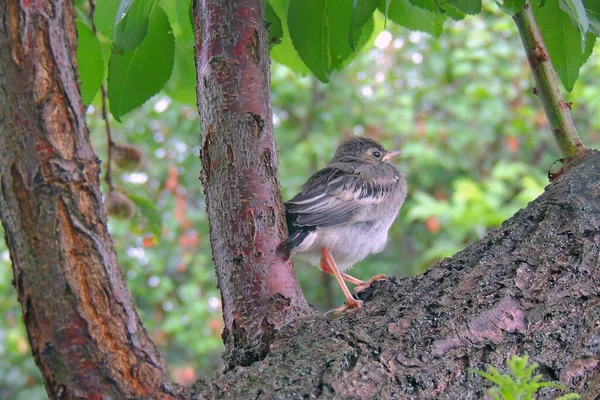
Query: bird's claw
{"x": 348, "y": 306}
{"x": 368, "y": 283}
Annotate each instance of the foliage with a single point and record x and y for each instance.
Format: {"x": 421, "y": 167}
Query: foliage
{"x": 474, "y": 207}
{"x": 568, "y": 47}
{"x": 522, "y": 385}
{"x": 130, "y": 81}
{"x": 305, "y": 35}
{"x": 325, "y": 50}
{"x": 91, "y": 62}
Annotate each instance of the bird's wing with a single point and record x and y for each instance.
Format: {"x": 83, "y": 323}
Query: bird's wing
{"x": 334, "y": 196}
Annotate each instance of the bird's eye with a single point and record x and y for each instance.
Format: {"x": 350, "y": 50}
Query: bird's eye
{"x": 376, "y": 154}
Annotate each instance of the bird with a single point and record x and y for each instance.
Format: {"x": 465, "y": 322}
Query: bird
{"x": 344, "y": 211}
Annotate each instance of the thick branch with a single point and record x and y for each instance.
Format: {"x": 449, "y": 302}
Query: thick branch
{"x": 85, "y": 334}
{"x": 530, "y": 287}
{"x": 556, "y": 109}
{"x": 239, "y": 160}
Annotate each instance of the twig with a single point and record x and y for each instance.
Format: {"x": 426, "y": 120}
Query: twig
{"x": 556, "y": 109}
{"x": 110, "y": 143}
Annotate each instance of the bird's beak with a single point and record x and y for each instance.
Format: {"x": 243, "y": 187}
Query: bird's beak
{"x": 391, "y": 155}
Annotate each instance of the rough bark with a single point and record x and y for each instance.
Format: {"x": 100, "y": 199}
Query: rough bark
{"x": 259, "y": 289}
{"x": 531, "y": 287}
{"x": 84, "y": 331}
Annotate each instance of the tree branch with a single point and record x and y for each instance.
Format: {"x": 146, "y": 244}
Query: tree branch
{"x": 85, "y": 334}
{"x": 556, "y": 109}
{"x": 239, "y": 175}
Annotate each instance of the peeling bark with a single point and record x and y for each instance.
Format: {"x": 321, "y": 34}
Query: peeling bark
{"x": 531, "y": 287}
{"x": 258, "y": 285}
{"x": 85, "y": 334}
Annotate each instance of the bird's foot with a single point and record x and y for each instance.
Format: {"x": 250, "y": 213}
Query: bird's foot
{"x": 368, "y": 283}
{"x": 352, "y": 305}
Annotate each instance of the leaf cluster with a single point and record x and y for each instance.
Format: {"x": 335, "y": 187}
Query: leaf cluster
{"x": 474, "y": 206}
{"x": 133, "y": 48}
{"x": 144, "y": 46}
{"x": 521, "y": 383}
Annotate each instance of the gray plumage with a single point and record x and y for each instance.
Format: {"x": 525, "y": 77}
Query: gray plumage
{"x": 348, "y": 206}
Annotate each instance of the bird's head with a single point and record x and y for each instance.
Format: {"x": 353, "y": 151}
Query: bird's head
{"x": 363, "y": 149}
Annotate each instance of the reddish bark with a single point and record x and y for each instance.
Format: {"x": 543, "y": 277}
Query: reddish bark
{"x": 84, "y": 331}
{"x": 239, "y": 160}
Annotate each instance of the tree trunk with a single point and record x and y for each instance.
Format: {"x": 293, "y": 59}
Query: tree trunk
{"x": 531, "y": 287}
{"x": 84, "y": 331}
{"x": 239, "y": 160}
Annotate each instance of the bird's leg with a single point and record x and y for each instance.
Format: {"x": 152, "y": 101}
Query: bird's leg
{"x": 362, "y": 285}
{"x": 328, "y": 265}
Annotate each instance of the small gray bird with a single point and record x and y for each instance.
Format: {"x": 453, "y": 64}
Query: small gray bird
{"x": 344, "y": 211}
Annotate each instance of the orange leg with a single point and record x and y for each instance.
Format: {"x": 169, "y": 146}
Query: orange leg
{"x": 328, "y": 265}
{"x": 362, "y": 285}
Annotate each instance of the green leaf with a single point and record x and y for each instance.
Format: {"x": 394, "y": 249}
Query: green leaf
{"x": 285, "y": 53}
{"x": 366, "y": 36}
{"x": 179, "y": 17}
{"x": 124, "y": 6}
{"x": 451, "y": 11}
{"x": 592, "y": 8}
{"x": 152, "y": 218}
{"x": 137, "y": 75}
{"x": 385, "y": 11}
{"x": 454, "y": 13}
{"x": 577, "y": 12}
{"x": 319, "y": 30}
{"x": 90, "y": 63}
{"x": 132, "y": 28}
{"x": 412, "y": 17}
{"x": 182, "y": 85}
{"x": 104, "y": 16}
{"x": 275, "y": 27}
{"x": 563, "y": 41}
{"x": 81, "y": 15}
{"x": 470, "y": 7}
{"x": 511, "y": 7}
{"x": 439, "y": 7}
{"x": 362, "y": 10}
{"x": 521, "y": 385}
{"x": 429, "y": 5}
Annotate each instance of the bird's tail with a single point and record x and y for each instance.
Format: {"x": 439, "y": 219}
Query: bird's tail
{"x": 296, "y": 234}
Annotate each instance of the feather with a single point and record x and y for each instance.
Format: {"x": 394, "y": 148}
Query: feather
{"x": 337, "y": 195}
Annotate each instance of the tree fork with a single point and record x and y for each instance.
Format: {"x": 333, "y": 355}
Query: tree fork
{"x": 239, "y": 175}
{"x": 556, "y": 109}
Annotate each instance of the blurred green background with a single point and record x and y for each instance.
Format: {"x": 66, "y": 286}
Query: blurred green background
{"x": 476, "y": 149}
